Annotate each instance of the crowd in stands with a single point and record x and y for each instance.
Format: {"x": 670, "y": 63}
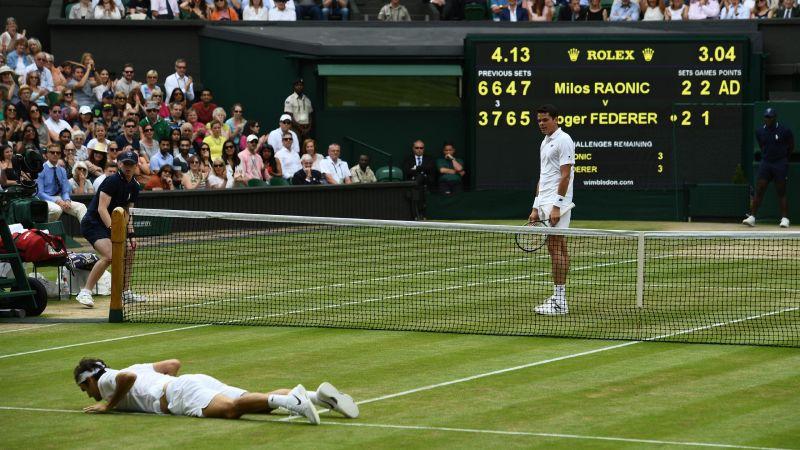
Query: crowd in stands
{"x": 212, "y": 10}
{"x": 79, "y": 118}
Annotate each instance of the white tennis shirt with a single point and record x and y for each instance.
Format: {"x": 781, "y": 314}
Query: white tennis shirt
{"x": 144, "y": 396}
{"x": 555, "y": 151}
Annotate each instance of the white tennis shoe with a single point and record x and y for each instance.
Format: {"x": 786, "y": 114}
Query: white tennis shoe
{"x": 552, "y": 307}
{"x": 84, "y": 297}
{"x": 300, "y": 405}
{"x": 333, "y": 399}
{"x": 784, "y": 223}
{"x": 750, "y": 221}
{"x": 130, "y": 297}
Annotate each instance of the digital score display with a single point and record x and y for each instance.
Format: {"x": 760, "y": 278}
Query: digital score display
{"x": 644, "y": 113}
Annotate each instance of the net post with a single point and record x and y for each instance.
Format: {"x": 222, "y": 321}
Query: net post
{"x": 119, "y": 228}
{"x": 640, "y": 271}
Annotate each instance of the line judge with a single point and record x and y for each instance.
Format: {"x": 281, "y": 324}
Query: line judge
{"x": 554, "y": 194}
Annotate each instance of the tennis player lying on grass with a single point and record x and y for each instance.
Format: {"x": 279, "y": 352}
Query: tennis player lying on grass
{"x": 157, "y": 388}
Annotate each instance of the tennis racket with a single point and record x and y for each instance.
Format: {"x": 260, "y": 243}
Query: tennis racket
{"x": 530, "y": 242}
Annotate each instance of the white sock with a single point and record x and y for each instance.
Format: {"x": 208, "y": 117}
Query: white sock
{"x": 560, "y": 292}
{"x": 276, "y": 401}
{"x": 86, "y": 291}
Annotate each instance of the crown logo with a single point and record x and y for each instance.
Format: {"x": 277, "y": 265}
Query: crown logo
{"x": 573, "y": 54}
{"x": 648, "y": 54}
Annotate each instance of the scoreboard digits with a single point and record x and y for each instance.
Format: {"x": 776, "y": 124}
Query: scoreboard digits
{"x": 620, "y": 100}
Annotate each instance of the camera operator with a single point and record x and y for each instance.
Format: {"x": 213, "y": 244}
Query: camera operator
{"x": 54, "y": 188}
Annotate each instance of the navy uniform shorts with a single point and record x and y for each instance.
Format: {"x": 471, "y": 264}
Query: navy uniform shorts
{"x": 773, "y": 171}
{"x": 94, "y": 231}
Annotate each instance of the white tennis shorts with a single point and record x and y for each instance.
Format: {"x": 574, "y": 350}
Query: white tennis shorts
{"x": 187, "y": 395}
{"x": 563, "y": 222}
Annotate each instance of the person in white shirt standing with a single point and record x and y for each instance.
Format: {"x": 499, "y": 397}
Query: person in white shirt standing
{"x": 335, "y": 170}
{"x": 299, "y": 107}
{"x": 554, "y": 193}
{"x": 180, "y": 80}
{"x": 157, "y": 388}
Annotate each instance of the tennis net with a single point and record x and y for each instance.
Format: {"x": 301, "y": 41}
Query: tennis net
{"x": 229, "y": 268}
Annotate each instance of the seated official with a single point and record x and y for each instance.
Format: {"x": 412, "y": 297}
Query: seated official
{"x": 54, "y": 188}
{"x": 307, "y": 175}
{"x": 451, "y": 171}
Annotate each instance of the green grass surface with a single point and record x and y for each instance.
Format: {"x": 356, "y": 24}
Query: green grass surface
{"x": 712, "y": 394}
{"x": 425, "y": 390}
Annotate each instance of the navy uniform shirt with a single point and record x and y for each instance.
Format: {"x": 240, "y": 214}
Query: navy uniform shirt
{"x": 122, "y": 194}
{"x": 775, "y": 142}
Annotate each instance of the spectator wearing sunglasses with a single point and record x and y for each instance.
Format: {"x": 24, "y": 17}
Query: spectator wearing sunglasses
{"x": 275, "y": 137}
{"x": 53, "y": 187}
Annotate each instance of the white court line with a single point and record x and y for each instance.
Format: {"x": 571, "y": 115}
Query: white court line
{"x": 474, "y": 431}
{"x": 121, "y": 338}
{"x": 29, "y": 328}
{"x": 561, "y": 358}
{"x": 548, "y": 435}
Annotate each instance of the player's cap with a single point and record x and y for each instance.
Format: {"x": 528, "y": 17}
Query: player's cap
{"x": 770, "y": 112}
{"x": 85, "y": 110}
{"x": 298, "y": 81}
{"x": 128, "y": 157}
{"x": 108, "y": 94}
{"x": 24, "y": 87}
{"x": 285, "y": 117}
{"x": 252, "y": 138}
{"x": 108, "y": 106}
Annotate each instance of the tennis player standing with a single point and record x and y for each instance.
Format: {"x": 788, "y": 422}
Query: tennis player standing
{"x": 554, "y": 193}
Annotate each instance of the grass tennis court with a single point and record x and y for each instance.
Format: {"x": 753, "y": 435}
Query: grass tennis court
{"x": 418, "y": 389}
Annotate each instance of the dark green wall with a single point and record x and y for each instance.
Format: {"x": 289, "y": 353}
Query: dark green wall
{"x": 229, "y": 68}
{"x": 258, "y": 78}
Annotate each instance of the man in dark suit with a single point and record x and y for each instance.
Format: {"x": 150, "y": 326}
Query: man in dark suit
{"x": 513, "y": 13}
{"x": 572, "y": 12}
{"x": 422, "y": 169}
{"x": 788, "y": 10}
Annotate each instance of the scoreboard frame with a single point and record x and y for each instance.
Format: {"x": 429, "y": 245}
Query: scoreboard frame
{"x": 749, "y": 89}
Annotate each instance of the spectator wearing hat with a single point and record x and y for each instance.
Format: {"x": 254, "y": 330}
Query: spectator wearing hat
{"x": 7, "y": 82}
{"x": 776, "y": 142}
{"x": 275, "y": 137}
{"x": 298, "y": 106}
{"x": 160, "y": 126}
{"x": 280, "y": 13}
{"x": 85, "y": 121}
{"x": 205, "y": 107}
{"x": 53, "y": 187}
{"x": 251, "y": 164}
{"x": 79, "y": 183}
{"x": 106, "y": 99}
{"x": 361, "y": 172}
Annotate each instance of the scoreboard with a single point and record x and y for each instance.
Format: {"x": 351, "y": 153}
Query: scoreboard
{"x": 644, "y": 113}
